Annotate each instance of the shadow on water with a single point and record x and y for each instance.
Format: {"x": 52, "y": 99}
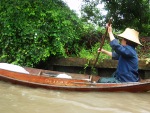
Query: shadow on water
{"x": 19, "y": 99}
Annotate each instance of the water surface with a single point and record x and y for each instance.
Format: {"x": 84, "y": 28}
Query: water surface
{"x": 20, "y": 99}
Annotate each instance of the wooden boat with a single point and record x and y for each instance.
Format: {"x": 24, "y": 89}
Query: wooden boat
{"x": 38, "y": 78}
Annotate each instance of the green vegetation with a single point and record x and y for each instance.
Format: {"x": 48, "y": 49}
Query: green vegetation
{"x": 32, "y": 31}
{"x": 92, "y": 53}
{"x": 125, "y": 13}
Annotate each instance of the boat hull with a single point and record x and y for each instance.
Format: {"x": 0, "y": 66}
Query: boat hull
{"x": 36, "y": 80}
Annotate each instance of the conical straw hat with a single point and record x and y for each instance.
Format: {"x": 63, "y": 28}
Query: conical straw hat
{"x": 131, "y": 35}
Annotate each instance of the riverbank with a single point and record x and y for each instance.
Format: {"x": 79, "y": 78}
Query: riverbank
{"x": 84, "y": 66}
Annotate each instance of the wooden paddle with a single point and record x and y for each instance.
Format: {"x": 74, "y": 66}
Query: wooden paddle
{"x": 101, "y": 46}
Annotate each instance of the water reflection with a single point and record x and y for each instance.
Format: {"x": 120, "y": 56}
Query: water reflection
{"x": 19, "y": 99}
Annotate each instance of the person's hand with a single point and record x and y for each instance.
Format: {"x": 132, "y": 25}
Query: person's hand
{"x": 102, "y": 50}
{"x": 105, "y": 52}
{"x": 109, "y": 28}
{"x": 111, "y": 36}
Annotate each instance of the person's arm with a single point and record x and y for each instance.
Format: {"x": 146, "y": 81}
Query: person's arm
{"x": 119, "y": 49}
{"x": 105, "y": 52}
{"x": 111, "y": 36}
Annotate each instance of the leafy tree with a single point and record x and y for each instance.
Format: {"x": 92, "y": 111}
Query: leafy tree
{"x": 125, "y": 13}
{"x": 129, "y": 13}
{"x": 33, "y": 30}
{"x": 90, "y": 12}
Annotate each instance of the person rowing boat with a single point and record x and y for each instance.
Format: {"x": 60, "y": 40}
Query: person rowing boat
{"x": 125, "y": 53}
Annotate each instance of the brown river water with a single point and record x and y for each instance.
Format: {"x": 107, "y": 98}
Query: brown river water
{"x": 21, "y": 99}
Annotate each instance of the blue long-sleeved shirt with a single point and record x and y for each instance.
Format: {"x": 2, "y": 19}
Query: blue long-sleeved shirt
{"x": 127, "y": 69}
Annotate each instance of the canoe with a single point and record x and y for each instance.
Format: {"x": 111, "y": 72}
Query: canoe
{"x": 38, "y": 78}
